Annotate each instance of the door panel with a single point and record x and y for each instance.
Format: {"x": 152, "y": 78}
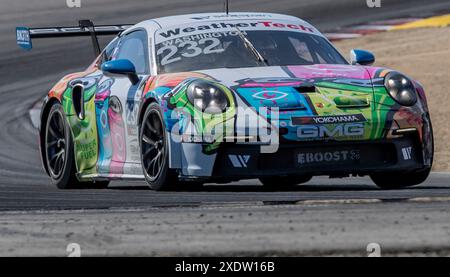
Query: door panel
{"x": 120, "y": 108}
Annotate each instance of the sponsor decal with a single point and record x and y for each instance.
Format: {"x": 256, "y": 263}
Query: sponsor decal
{"x": 179, "y": 41}
{"x": 239, "y": 161}
{"x": 407, "y": 153}
{"x": 328, "y": 157}
{"x": 213, "y": 26}
{"x": 341, "y": 130}
{"x": 335, "y": 119}
{"x": 301, "y": 27}
{"x": 224, "y": 26}
{"x": 23, "y": 38}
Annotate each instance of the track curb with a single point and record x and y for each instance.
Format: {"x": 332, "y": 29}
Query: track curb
{"x": 373, "y": 27}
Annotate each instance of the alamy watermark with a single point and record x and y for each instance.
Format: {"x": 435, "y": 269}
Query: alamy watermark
{"x": 73, "y": 250}
{"x": 73, "y": 3}
{"x": 250, "y": 125}
{"x": 373, "y": 250}
{"x": 263, "y": 126}
{"x": 373, "y": 3}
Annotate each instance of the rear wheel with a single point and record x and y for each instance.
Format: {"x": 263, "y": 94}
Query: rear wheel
{"x": 59, "y": 155}
{"x": 400, "y": 179}
{"x": 284, "y": 182}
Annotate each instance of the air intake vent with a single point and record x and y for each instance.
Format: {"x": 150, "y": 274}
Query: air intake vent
{"x": 306, "y": 89}
{"x": 78, "y": 100}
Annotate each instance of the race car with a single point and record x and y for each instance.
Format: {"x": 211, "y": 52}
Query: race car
{"x": 214, "y": 98}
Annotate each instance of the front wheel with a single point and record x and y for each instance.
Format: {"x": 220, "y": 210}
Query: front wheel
{"x": 154, "y": 151}
{"x": 400, "y": 180}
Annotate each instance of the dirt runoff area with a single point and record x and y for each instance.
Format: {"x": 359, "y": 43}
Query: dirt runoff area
{"x": 423, "y": 54}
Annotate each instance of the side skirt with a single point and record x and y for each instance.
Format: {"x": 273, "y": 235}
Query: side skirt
{"x": 110, "y": 177}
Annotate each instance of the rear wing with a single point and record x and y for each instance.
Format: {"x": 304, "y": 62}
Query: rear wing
{"x": 85, "y": 28}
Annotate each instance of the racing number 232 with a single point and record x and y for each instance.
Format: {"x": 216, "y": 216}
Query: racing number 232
{"x": 191, "y": 49}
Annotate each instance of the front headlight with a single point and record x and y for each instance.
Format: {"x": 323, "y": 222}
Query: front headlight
{"x": 207, "y": 97}
{"x": 401, "y": 89}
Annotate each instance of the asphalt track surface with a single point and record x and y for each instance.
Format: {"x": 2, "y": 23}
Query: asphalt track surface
{"x": 26, "y": 76}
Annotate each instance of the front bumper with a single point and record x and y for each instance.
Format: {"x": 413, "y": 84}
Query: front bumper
{"x": 241, "y": 161}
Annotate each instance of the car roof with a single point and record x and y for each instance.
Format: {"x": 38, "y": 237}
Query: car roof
{"x": 170, "y": 21}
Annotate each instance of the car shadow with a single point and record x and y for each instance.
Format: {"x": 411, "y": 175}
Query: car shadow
{"x": 258, "y": 188}
{"x": 299, "y": 188}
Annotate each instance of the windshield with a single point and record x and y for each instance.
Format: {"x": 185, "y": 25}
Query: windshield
{"x": 228, "y": 50}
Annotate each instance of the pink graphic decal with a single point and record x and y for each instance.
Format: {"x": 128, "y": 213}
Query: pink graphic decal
{"x": 117, "y": 127}
{"x": 268, "y": 85}
{"x": 104, "y": 90}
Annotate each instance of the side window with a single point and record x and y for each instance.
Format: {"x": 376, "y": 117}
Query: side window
{"x": 134, "y": 47}
{"x": 109, "y": 50}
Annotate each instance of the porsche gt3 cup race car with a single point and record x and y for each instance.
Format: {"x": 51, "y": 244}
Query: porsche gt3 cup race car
{"x": 197, "y": 98}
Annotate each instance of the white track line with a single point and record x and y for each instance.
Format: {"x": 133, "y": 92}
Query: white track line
{"x": 339, "y": 36}
{"x": 372, "y": 27}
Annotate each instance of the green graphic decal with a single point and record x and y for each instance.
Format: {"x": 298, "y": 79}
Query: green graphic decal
{"x": 84, "y": 130}
{"x": 334, "y": 99}
{"x": 213, "y": 128}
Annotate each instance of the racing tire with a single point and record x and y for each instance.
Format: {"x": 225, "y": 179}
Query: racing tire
{"x": 154, "y": 151}
{"x": 59, "y": 153}
{"x": 283, "y": 182}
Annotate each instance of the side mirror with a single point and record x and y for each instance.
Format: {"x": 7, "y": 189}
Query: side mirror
{"x": 121, "y": 67}
{"x": 361, "y": 57}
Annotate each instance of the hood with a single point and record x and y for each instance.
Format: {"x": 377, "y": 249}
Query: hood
{"x": 302, "y": 88}
{"x": 292, "y": 87}
{"x": 232, "y": 76}
{"x": 273, "y": 76}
